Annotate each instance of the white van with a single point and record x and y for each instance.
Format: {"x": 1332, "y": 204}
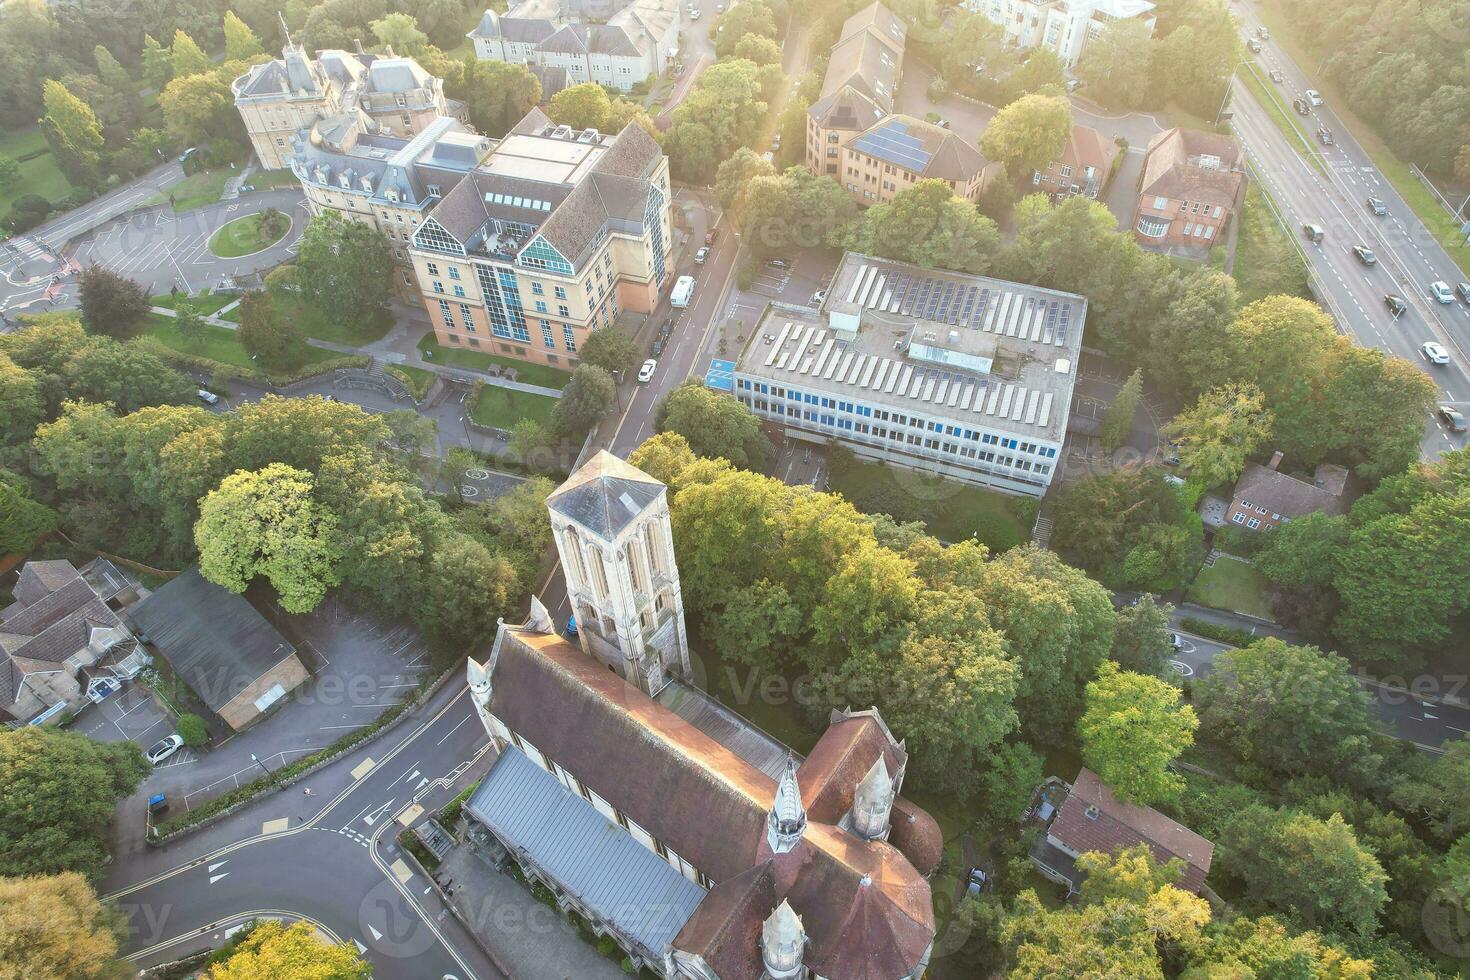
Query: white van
{"x": 683, "y": 292}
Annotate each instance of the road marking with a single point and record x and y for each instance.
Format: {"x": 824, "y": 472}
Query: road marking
{"x": 214, "y": 878}
{"x": 373, "y": 817}
{"x": 217, "y": 865}
{"x": 363, "y": 768}
{"x": 453, "y": 730}
{"x": 360, "y": 947}
{"x": 401, "y": 871}
{"x": 275, "y": 826}
{"x": 407, "y": 817}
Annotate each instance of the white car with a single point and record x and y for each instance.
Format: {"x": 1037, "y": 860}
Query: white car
{"x": 696, "y": 15}
{"x": 701, "y": 255}
{"x": 1176, "y": 641}
{"x": 1434, "y": 353}
{"x": 1441, "y": 291}
{"x": 1314, "y": 97}
{"x": 208, "y": 397}
{"x": 645, "y": 373}
{"x": 819, "y": 297}
{"x": 164, "y": 748}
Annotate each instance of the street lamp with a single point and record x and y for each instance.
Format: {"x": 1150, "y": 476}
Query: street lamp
{"x": 269, "y": 775}
{"x": 1226, "y": 97}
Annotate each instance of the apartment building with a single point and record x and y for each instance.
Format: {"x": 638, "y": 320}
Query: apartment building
{"x": 1085, "y": 166}
{"x": 617, "y": 44}
{"x": 1191, "y": 186}
{"x": 964, "y": 376}
{"x": 859, "y": 87}
{"x": 1063, "y": 26}
{"x": 384, "y": 95}
{"x": 545, "y": 240}
{"x": 900, "y": 150}
{"x": 388, "y": 182}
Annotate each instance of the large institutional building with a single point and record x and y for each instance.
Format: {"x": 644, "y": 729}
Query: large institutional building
{"x": 705, "y": 848}
{"x": 964, "y": 376}
{"x": 545, "y": 240}
{"x": 615, "y": 43}
{"x": 1063, "y": 26}
{"x": 853, "y": 134}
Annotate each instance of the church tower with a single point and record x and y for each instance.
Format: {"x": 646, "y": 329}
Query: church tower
{"x": 611, "y": 525}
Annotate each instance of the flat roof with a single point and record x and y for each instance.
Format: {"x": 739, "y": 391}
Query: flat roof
{"x": 962, "y": 347}
{"x": 557, "y": 161}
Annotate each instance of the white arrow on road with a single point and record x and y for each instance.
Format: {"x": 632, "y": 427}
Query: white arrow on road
{"x": 376, "y": 814}
{"x": 214, "y": 878}
{"x": 376, "y": 934}
{"x": 217, "y": 865}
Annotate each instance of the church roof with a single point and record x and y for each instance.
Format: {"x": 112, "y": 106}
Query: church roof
{"x": 605, "y": 494}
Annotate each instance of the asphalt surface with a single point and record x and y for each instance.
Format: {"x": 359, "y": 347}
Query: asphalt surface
{"x": 329, "y": 858}
{"x": 1409, "y": 256}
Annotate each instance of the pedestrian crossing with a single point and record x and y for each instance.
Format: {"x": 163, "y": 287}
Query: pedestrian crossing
{"x": 29, "y": 248}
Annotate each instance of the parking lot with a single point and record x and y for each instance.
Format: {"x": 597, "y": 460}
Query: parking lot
{"x": 361, "y": 665}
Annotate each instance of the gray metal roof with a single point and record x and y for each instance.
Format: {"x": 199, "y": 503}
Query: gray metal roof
{"x": 605, "y": 494}
{"x": 726, "y": 727}
{"x": 611, "y": 874}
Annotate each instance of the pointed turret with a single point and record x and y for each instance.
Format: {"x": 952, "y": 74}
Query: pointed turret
{"x": 783, "y": 941}
{"x": 539, "y": 620}
{"x": 872, "y": 802}
{"x": 478, "y": 676}
{"x": 786, "y": 821}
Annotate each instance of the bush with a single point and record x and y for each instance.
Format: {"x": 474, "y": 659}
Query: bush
{"x": 192, "y": 730}
{"x": 1239, "y": 541}
{"x": 607, "y": 945}
{"x": 1234, "y": 635}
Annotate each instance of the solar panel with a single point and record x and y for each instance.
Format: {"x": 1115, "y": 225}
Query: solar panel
{"x": 892, "y": 143}
{"x": 1062, "y": 330}
{"x": 980, "y": 305}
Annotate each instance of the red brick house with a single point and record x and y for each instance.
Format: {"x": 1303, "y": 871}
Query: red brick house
{"x": 1192, "y": 184}
{"x": 1085, "y": 166}
{"x": 1265, "y": 498}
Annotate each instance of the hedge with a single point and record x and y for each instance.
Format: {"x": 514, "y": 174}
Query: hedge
{"x": 1233, "y": 635}
{"x": 187, "y": 361}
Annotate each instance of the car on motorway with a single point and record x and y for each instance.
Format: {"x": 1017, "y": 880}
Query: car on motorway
{"x": 1365, "y": 255}
{"x": 1434, "y": 353}
{"x": 701, "y": 255}
{"x": 1314, "y": 97}
{"x": 1441, "y": 291}
{"x": 1396, "y": 304}
{"x": 1313, "y": 233}
{"x": 1324, "y": 135}
{"x": 1377, "y": 205}
{"x": 711, "y": 235}
{"x": 657, "y": 347}
{"x": 1464, "y": 290}
{"x": 645, "y": 373}
{"x": 696, "y": 15}
{"x": 1254, "y": 46}
{"x": 208, "y": 397}
{"x": 1277, "y": 75}
{"x": 1301, "y": 107}
{"x": 1451, "y": 417}
{"x": 165, "y": 747}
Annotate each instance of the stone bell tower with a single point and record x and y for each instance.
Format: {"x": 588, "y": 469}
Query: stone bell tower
{"x": 611, "y": 525}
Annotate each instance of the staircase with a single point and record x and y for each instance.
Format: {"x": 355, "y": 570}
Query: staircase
{"x": 1041, "y": 533}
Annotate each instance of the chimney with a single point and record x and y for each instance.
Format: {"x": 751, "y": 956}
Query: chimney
{"x": 1275, "y": 460}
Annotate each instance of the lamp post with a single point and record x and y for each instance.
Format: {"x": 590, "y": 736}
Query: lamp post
{"x": 269, "y": 775}
{"x": 1226, "y": 97}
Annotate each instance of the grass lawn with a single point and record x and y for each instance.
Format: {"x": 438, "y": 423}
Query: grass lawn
{"x": 215, "y": 343}
{"x": 1266, "y": 93}
{"x": 322, "y": 326}
{"x": 196, "y": 190}
{"x": 953, "y": 511}
{"x": 1233, "y": 585}
{"x": 37, "y": 176}
{"x": 268, "y": 180}
{"x": 244, "y": 236}
{"x": 206, "y": 302}
{"x": 417, "y": 379}
{"x": 1267, "y": 261}
{"x": 532, "y": 374}
{"x": 502, "y": 407}
{"x": 1176, "y": 115}
{"x": 1420, "y": 198}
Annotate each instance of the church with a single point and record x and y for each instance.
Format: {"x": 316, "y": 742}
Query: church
{"x": 707, "y": 849}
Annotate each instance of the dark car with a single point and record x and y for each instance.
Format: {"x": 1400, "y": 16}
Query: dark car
{"x": 1396, "y": 304}
{"x": 1324, "y": 135}
{"x": 710, "y": 236}
{"x": 1254, "y": 46}
{"x": 657, "y": 347}
{"x": 1451, "y": 418}
{"x": 1365, "y": 255}
{"x": 1301, "y": 107}
{"x": 1464, "y": 290}
{"x": 1277, "y": 75}
{"x": 1377, "y": 206}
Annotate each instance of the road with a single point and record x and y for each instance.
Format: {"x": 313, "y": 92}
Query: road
{"x": 1409, "y": 257}
{"x": 330, "y": 858}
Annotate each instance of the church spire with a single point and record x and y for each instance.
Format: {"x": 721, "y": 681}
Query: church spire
{"x": 872, "y": 802}
{"x": 787, "y": 820}
{"x": 783, "y": 940}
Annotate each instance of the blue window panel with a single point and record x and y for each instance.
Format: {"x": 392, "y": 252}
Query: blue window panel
{"x": 569, "y": 337}
{"x": 540, "y": 255}
{"x": 454, "y": 272}
{"x": 653, "y": 221}
{"x": 547, "y": 338}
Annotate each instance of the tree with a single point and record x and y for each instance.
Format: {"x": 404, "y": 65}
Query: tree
{"x": 1006, "y": 787}
{"x": 240, "y": 40}
{"x": 9, "y": 172}
{"x": 22, "y": 403}
{"x": 189, "y": 324}
{"x": 1300, "y": 560}
{"x": 111, "y": 304}
{"x": 1441, "y": 792}
{"x": 756, "y": 626}
{"x": 1042, "y": 72}
{"x": 186, "y": 57}
{"x": 750, "y": 17}
{"x": 157, "y": 67}
{"x": 346, "y": 266}
{"x": 53, "y": 926}
{"x": 585, "y": 400}
{"x": 130, "y": 376}
{"x": 1141, "y": 638}
{"x": 796, "y": 209}
{"x": 266, "y": 523}
{"x": 759, "y": 49}
{"x": 267, "y": 336}
{"x": 1028, "y": 134}
{"x": 115, "y": 76}
{"x": 1264, "y": 948}
{"x": 1316, "y": 870}
{"x": 581, "y": 107}
{"x": 1117, "y": 65}
{"x": 400, "y": 32}
{"x": 1193, "y": 63}
{"x": 735, "y": 174}
{"x": 274, "y": 950}
{"x": 465, "y": 589}
{"x": 192, "y": 731}
{"x": 1117, "y": 421}
{"x": 1289, "y": 709}
{"x": 23, "y": 520}
{"x": 200, "y": 107}
{"x": 58, "y": 797}
{"x": 497, "y": 95}
{"x": 1217, "y": 434}
{"x": 610, "y": 349}
{"x": 713, "y": 425}
{"x": 929, "y": 225}
{"x": 1133, "y": 729}
{"x": 723, "y": 112}
{"x": 73, "y": 134}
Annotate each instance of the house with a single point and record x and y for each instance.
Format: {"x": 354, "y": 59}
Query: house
{"x": 62, "y": 646}
{"x": 1093, "y": 819}
{"x": 545, "y": 240}
{"x": 702, "y": 846}
{"x": 1192, "y": 184}
{"x": 898, "y": 151}
{"x": 216, "y": 642}
{"x": 1265, "y": 498}
{"x": 1063, "y": 26}
{"x": 1085, "y": 166}
{"x": 859, "y": 88}
{"x": 616, "y": 44}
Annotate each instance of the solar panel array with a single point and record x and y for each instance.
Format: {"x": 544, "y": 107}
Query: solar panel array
{"x": 893, "y": 143}
{"x": 960, "y": 304}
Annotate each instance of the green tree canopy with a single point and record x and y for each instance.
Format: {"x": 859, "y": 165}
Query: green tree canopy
{"x": 53, "y": 926}
{"x": 240, "y": 40}
{"x": 713, "y": 425}
{"x": 111, "y": 304}
{"x": 73, "y": 134}
{"x": 400, "y": 31}
{"x": 758, "y": 48}
{"x": 345, "y": 266}
{"x": 497, "y": 94}
{"x": 1220, "y": 431}
{"x": 581, "y": 107}
{"x": 1117, "y": 421}
{"x": 585, "y": 400}
{"x": 1117, "y": 65}
{"x": 746, "y": 18}
{"x": 466, "y": 588}
{"x": 929, "y": 225}
{"x": 267, "y": 335}
{"x": 186, "y": 57}
{"x": 1141, "y": 638}
{"x": 610, "y": 349}
{"x": 1133, "y": 728}
{"x": 1029, "y": 133}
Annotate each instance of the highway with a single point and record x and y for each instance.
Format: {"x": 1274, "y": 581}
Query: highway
{"x": 1409, "y": 257}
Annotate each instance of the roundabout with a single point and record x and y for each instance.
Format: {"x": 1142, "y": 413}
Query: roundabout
{"x": 250, "y": 234}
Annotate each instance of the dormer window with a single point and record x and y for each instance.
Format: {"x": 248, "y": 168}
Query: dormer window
{"x": 434, "y": 191}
